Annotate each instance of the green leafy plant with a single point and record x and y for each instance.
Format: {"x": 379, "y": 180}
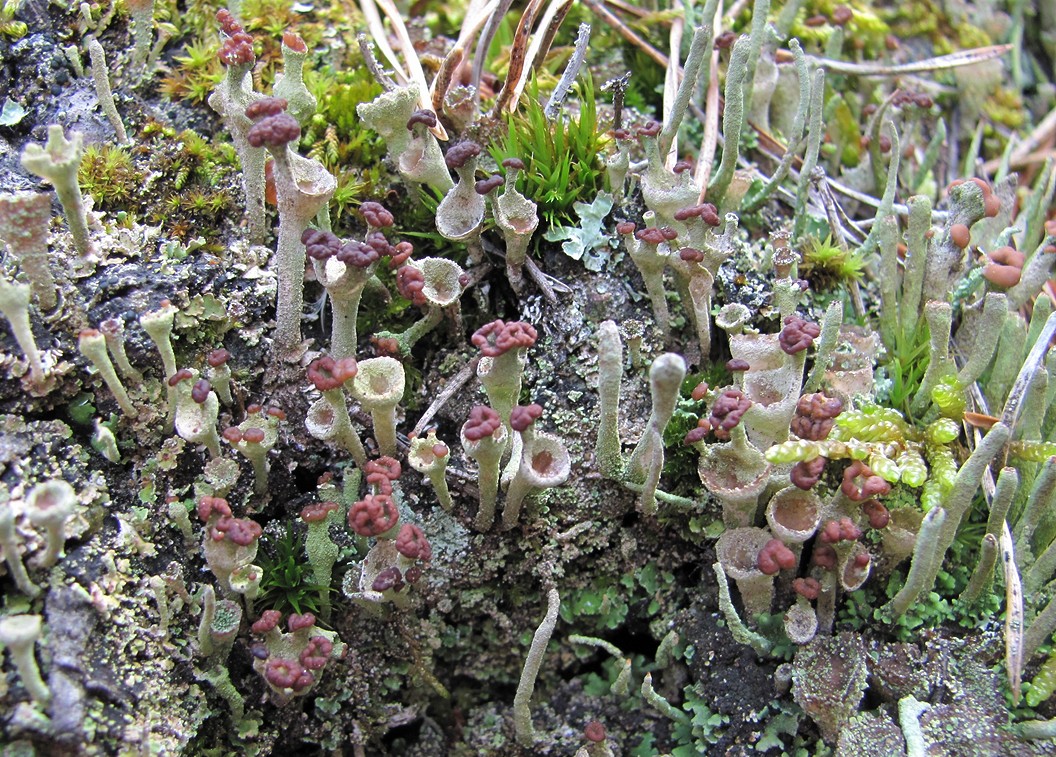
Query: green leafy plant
{"x": 562, "y": 158}
{"x": 286, "y": 583}
{"x": 827, "y": 265}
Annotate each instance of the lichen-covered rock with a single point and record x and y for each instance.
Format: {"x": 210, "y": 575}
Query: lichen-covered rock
{"x": 828, "y": 681}
{"x": 871, "y": 734}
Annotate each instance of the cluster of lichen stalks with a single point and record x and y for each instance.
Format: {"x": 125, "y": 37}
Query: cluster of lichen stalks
{"x": 774, "y": 433}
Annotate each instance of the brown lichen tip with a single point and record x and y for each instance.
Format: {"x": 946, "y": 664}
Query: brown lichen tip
{"x": 841, "y": 15}
{"x": 960, "y": 235}
{"x": 824, "y": 556}
{"x": 317, "y": 511}
{"x": 878, "y": 515}
{"x": 241, "y": 531}
{"x": 299, "y": 622}
{"x": 265, "y": 107}
{"x": 294, "y": 41}
{"x": 358, "y": 254}
{"x": 860, "y": 483}
{"x": 274, "y": 131}
{"x": 460, "y": 154}
{"x": 237, "y": 50}
{"x": 485, "y": 186}
{"x": 284, "y": 674}
{"x": 376, "y": 215}
{"x": 815, "y": 415}
{"x": 523, "y": 416}
{"x": 217, "y": 357}
{"x": 699, "y": 433}
{"x": 387, "y": 466}
{"x": 651, "y": 235}
{"x": 389, "y": 579}
{"x": 410, "y": 283}
{"x": 228, "y": 23}
{"x": 268, "y": 621}
{"x": 320, "y": 244}
{"x": 412, "y": 544}
{"x": 804, "y": 475}
{"x": 483, "y": 422}
{"x": 736, "y": 365}
{"x": 798, "y": 334}
{"x": 625, "y": 227}
{"x": 725, "y": 40}
{"x": 651, "y": 129}
{"x": 373, "y": 515}
{"x": 775, "y": 557}
{"x": 326, "y": 373}
{"x": 181, "y": 375}
{"x": 515, "y": 164}
{"x": 682, "y": 166}
{"x": 317, "y": 653}
{"x": 836, "y": 531}
{"x": 200, "y": 391}
{"x": 727, "y": 411}
{"x": 594, "y": 732}
{"x": 1005, "y": 267}
{"x": 425, "y": 117}
{"x": 808, "y": 588}
{"x": 498, "y": 337}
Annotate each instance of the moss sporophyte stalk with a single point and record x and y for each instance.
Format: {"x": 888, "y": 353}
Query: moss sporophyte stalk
{"x": 526, "y": 379}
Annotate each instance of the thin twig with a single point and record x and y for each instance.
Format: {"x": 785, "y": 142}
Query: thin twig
{"x": 941, "y": 63}
{"x": 454, "y": 384}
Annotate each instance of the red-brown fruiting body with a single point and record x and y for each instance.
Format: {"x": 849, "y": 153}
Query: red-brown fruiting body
{"x": 727, "y": 411}
{"x": 700, "y": 391}
{"x": 299, "y": 622}
{"x": 264, "y": 107}
{"x": 425, "y": 117}
{"x": 377, "y": 242}
{"x": 651, "y": 235}
{"x": 862, "y": 559}
{"x": 200, "y": 391}
{"x": 805, "y": 475}
{"x": 400, "y": 253}
{"x": 253, "y": 435}
{"x": 232, "y": 434}
{"x": 389, "y": 579}
{"x": 725, "y": 40}
{"x": 483, "y": 422}
{"x": 440, "y": 450}
{"x": 181, "y": 375}
{"x": 462, "y": 153}
{"x": 293, "y": 41}
{"x": 277, "y": 413}
{"x": 815, "y": 416}
{"x": 736, "y": 365}
{"x": 386, "y": 466}
{"x": 410, "y": 283}
{"x": 210, "y": 506}
{"x": 274, "y": 131}
{"x": 484, "y": 186}
{"x": 817, "y": 20}
{"x": 860, "y": 483}
{"x": 840, "y": 530}
{"x": 515, "y": 163}
{"x": 878, "y": 515}
{"x": 691, "y": 255}
{"x": 237, "y": 50}
{"x": 523, "y": 416}
{"x": 413, "y": 574}
{"x": 808, "y": 588}
{"x": 358, "y": 254}
{"x": 625, "y": 227}
{"x": 317, "y": 653}
{"x": 651, "y": 129}
{"x": 283, "y": 674}
{"x": 682, "y": 166}
{"x": 373, "y": 515}
{"x": 218, "y": 357}
{"x": 228, "y": 23}
{"x": 775, "y": 557}
{"x": 841, "y": 14}
{"x": 254, "y": 408}
{"x": 326, "y": 373}
{"x": 960, "y": 235}
{"x": 622, "y": 134}
{"x": 317, "y": 511}
{"x": 824, "y": 556}
{"x": 241, "y": 531}
{"x": 412, "y": 544}
{"x": 376, "y": 215}
{"x": 594, "y": 731}
{"x": 699, "y": 433}
{"x": 798, "y": 334}
{"x": 497, "y": 338}
{"x": 268, "y": 621}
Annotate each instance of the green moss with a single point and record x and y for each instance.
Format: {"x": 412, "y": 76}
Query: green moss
{"x": 110, "y": 176}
